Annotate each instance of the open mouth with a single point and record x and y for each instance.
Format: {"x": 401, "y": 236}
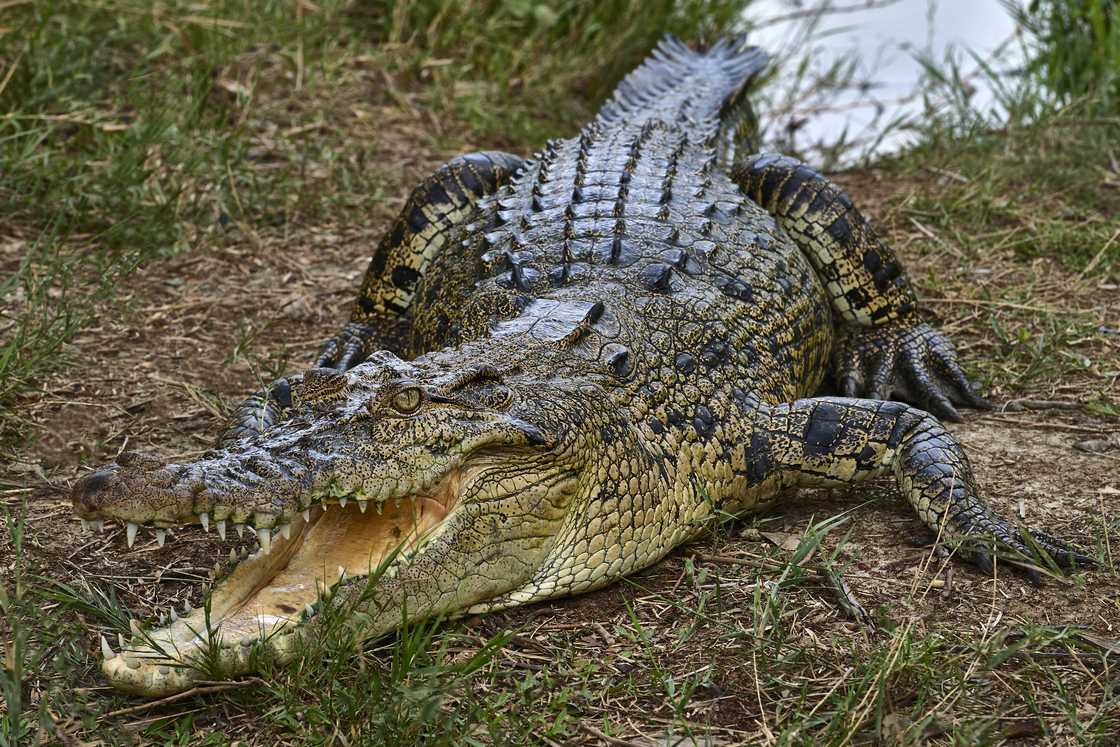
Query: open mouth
{"x": 269, "y": 595}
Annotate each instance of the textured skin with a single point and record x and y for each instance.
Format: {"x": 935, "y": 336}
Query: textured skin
{"x": 616, "y": 341}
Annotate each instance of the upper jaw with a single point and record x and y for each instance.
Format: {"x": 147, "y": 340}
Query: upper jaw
{"x": 202, "y": 493}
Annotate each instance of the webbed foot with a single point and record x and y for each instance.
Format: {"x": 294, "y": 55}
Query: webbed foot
{"x": 913, "y": 359}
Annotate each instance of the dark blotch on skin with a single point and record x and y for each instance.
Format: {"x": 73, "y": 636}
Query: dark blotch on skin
{"x": 685, "y": 363}
{"x": 824, "y": 429}
{"x": 759, "y": 464}
{"x": 405, "y": 277}
{"x": 703, "y": 422}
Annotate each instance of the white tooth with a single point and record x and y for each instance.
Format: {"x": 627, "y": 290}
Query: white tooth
{"x": 187, "y": 608}
{"x": 309, "y": 609}
{"x": 106, "y": 651}
{"x": 377, "y": 505}
{"x": 396, "y": 502}
{"x": 130, "y": 533}
{"x": 341, "y": 573}
{"x": 85, "y": 525}
{"x": 264, "y": 536}
{"x": 162, "y": 619}
{"x": 120, "y": 641}
{"x": 205, "y": 519}
{"x": 307, "y": 515}
{"x": 222, "y": 528}
{"x": 362, "y": 506}
{"x": 134, "y": 626}
{"x": 286, "y": 531}
{"x": 343, "y": 501}
{"x": 174, "y": 616}
{"x": 161, "y": 537}
{"x": 240, "y": 530}
{"x": 325, "y": 506}
{"x": 233, "y": 555}
{"x": 97, "y": 524}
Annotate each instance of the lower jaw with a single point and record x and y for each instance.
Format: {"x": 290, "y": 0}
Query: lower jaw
{"x": 270, "y": 598}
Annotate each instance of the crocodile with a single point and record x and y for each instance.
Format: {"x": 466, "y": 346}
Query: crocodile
{"x": 557, "y": 370}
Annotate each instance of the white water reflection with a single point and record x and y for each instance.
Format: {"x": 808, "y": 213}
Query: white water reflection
{"x": 884, "y": 38}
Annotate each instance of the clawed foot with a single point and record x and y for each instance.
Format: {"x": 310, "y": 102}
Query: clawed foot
{"x": 346, "y": 349}
{"x": 991, "y": 536}
{"x": 916, "y": 360}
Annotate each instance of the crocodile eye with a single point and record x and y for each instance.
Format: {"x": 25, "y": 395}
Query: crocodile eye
{"x": 407, "y": 400}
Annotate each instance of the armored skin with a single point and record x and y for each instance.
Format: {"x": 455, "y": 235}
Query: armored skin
{"x": 557, "y": 370}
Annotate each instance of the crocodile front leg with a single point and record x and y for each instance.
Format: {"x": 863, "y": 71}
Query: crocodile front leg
{"x": 831, "y": 441}
{"x": 259, "y": 412}
{"x": 379, "y": 317}
{"x": 884, "y": 348}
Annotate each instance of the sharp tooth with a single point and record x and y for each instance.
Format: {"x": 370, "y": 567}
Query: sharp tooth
{"x": 162, "y": 619}
{"x": 362, "y": 506}
{"x": 233, "y": 554}
{"x": 307, "y": 515}
{"x": 264, "y": 536}
{"x": 396, "y": 503}
{"x": 120, "y": 641}
{"x": 222, "y": 528}
{"x": 341, "y": 573}
{"x": 106, "y": 651}
{"x": 308, "y": 609}
{"x": 134, "y": 626}
{"x": 325, "y": 506}
{"x": 286, "y": 531}
{"x": 343, "y": 501}
{"x": 205, "y": 519}
{"x": 243, "y": 551}
{"x": 174, "y": 616}
{"x": 378, "y": 506}
{"x": 240, "y": 530}
{"x": 161, "y": 537}
{"x": 130, "y": 533}
{"x": 85, "y": 525}
{"x": 187, "y": 608}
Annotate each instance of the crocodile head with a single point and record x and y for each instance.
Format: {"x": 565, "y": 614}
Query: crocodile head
{"x": 453, "y": 478}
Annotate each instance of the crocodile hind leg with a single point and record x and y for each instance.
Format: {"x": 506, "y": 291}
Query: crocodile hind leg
{"x": 379, "y": 317}
{"x": 830, "y": 441}
{"x": 884, "y": 347}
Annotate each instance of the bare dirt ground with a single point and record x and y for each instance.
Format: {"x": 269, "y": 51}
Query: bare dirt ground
{"x": 187, "y": 336}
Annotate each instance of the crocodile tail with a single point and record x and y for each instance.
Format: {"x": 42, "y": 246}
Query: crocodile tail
{"x": 675, "y": 83}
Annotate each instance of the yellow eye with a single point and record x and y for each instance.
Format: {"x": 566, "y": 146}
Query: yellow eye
{"x": 407, "y": 401}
